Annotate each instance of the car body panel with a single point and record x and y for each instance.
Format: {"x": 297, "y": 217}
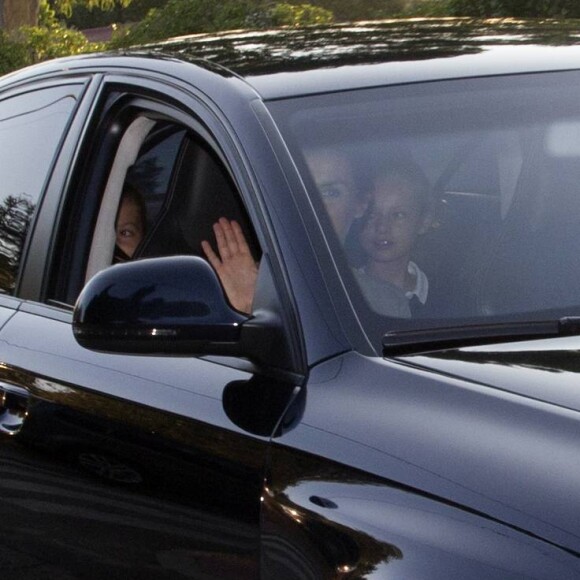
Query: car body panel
{"x": 343, "y": 464}
{"x": 461, "y": 441}
{"x": 150, "y": 427}
{"x": 350, "y": 56}
{"x": 544, "y": 369}
{"x": 335, "y": 521}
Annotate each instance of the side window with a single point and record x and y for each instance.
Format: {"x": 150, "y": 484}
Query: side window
{"x": 32, "y": 125}
{"x": 156, "y": 190}
{"x": 153, "y": 169}
{"x": 144, "y": 162}
{"x": 146, "y": 187}
{"x": 201, "y": 193}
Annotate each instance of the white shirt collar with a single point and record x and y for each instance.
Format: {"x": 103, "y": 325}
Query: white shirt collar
{"x": 421, "y": 286}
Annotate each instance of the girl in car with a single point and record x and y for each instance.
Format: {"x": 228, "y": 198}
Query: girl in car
{"x": 130, "y": 224}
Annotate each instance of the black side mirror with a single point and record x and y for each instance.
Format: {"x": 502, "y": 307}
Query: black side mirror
{"x": 172, "y": 305}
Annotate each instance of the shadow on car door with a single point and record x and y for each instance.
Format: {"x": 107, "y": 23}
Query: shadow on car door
{"x": 122, "y": 465}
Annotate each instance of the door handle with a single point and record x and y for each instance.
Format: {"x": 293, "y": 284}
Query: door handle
{"x": 13, "y": 409}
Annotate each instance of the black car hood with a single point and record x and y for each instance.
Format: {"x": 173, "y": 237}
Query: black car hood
{"x": 547, "y": 370}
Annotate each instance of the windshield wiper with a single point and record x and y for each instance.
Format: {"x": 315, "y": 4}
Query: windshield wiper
{"x": 404, "y": 342}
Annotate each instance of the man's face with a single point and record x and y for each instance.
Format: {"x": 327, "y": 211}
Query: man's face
{"x": 395, "y": 220}
{"x": 332, "y": 174}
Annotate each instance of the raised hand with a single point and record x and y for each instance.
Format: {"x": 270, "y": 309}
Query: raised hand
{"x": 233, "y": 263}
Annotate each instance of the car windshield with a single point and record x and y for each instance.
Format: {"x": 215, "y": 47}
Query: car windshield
{"x": 447, "y": 203}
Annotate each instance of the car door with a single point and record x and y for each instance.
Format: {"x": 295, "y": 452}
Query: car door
{"x": 122, "y": 465}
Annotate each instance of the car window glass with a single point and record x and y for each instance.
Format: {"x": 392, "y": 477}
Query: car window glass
{"x": 201, "y": 196}
{"x": 31, "y": 128}
{"x": 145, "y": 189}
{"x": 462, "y": 201}
{"x": 153, "y": 169}
{"x": 201, "y": 192}
{"x": 178, "y": 185}
{"x": 182, "y": 188}
{"x": 178, "y": 175}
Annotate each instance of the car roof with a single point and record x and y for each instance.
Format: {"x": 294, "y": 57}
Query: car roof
{"x": 286, "y": 62}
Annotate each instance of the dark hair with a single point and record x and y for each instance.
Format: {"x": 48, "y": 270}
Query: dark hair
{"x": 409, "y": 172}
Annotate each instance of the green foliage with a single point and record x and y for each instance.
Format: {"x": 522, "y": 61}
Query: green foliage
{"x": 516, "y": 8}
{"x": 51, "y": 38}
{"x": 46, "y": 15}
{"x": 299, "y": 15}
{"x": 32, "y": 44}
{"x": 179, "y": 17}
{"x": 84, "y": 17}
{"x": 42, "y": 42}
{"x": 433, "y": 8}
{"x": 13, "y": 54}
{"x": 345, "y": 10}
{"x": 66, "y": 6}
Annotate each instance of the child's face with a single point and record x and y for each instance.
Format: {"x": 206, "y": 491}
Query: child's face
{"x": 394, "y": 222}
{"x": 129, "y": 228}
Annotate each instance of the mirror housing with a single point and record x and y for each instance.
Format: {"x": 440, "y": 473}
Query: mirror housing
{"x": 170, "y": 305}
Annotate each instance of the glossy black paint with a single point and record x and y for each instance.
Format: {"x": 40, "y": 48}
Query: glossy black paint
{"x": 523, "y": 367}
{"x": 366, "y": 43}
{"x": 506, "y": 461}
{"x": 147, "y": 307}
{"x": 337, "y": 464}
{"x": 131, "y": 469}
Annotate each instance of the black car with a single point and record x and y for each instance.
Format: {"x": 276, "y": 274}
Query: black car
{"x": 403, "y": 399}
